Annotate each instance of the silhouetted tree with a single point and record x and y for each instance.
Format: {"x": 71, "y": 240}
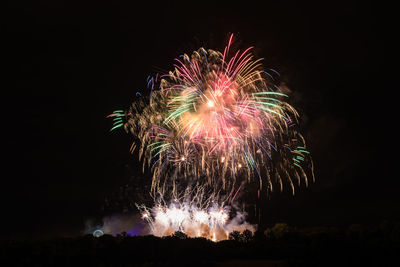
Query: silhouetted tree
{"x": 247, "y": 236}
{"x": 278, "y": 231}
{"x": 180, "y": 235}
{"x": 234, "y": 235}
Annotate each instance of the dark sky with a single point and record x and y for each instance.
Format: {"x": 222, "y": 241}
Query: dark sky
{"x": 69, "y": 64}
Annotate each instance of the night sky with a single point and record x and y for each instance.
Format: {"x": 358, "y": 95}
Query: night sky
{"x": 69, "y": 65}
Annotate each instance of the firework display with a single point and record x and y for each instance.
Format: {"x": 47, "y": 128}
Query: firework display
{"x": 195, "y": 213}
{"x": 218, "y": 121}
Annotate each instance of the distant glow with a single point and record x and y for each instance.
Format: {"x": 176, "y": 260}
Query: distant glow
{"x": 98, "y": 233}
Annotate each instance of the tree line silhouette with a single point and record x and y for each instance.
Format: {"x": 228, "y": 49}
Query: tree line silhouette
{"x": 279, "y": 245}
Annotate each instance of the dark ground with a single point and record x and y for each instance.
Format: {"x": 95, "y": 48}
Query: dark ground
{"x": 70, "y": 63}
{"x": 280, "y": 246}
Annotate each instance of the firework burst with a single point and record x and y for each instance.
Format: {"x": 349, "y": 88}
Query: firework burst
{"x": 218, "y": 119}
